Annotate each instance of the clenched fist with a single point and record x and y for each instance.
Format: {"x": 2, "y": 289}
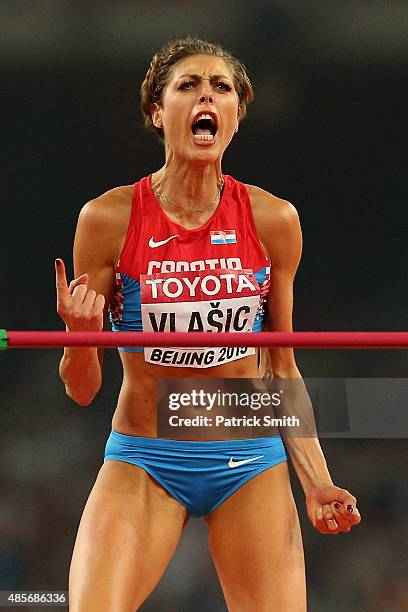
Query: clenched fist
{"x": 332, "y": 509}
{"x": 80, "y": 308}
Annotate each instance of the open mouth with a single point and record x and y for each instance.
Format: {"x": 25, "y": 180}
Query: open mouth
{"x": 204, "y": 128}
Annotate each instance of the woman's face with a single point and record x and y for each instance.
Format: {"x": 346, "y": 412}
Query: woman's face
{"x": 199, "y": 111}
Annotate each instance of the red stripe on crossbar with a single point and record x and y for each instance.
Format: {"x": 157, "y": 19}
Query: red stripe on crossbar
{"x": 311, "y": 339}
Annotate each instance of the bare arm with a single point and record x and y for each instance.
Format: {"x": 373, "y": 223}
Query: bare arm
{"x": 83, "y": 304}
{"x": 279, "y": 230}
{"x": 284, "y": 246}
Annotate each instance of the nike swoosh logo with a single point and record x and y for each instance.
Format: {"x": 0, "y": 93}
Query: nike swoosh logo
{"x": 234, "y": 464}
{"x": 154, "y": 244}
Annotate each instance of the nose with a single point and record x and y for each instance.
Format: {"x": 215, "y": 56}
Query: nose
{"x": 206, "y": 92}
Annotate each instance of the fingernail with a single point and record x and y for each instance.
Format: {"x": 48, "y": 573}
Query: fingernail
{"x": 58, "y": 262}
{"x": 337, "y": 505}
{"x": 350, "y": 508}
{"x": 319, "y": 513}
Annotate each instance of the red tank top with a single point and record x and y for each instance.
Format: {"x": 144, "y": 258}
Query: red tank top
{"x": 168, "y": 278}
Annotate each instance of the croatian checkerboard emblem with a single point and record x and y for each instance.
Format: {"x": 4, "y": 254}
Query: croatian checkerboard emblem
{"x": 223, "y": 237}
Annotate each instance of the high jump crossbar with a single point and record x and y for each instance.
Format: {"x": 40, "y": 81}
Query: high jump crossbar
{"x": 106, "y": 339}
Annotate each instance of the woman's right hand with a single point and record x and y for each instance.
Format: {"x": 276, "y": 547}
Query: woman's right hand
{"x": 80, "y": 308}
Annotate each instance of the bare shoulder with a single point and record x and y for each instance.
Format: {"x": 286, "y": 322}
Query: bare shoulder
{"x": 277, "y": 223}
{"x": 269, "y": 207}
{"x": 103, "y": 222}
{"x": 110, "y": 211}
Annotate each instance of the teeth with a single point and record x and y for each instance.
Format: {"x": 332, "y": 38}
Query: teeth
{"x": 203, "y": 137}
{"x": 205, "y": 116}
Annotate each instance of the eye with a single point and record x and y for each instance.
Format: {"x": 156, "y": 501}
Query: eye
{"x": 186, "y": 85}
{"x": 222, "y": 86}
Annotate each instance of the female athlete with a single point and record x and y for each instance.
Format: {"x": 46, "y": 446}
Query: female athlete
{"x": 189, "y": 248}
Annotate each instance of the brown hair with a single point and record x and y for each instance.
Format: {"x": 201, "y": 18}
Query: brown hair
{"x": 156, "y": 77}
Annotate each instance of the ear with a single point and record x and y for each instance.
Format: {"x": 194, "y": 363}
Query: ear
{"x": 157, "y": 113}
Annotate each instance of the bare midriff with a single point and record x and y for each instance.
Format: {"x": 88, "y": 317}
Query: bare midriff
{"x": 135, "y": 414}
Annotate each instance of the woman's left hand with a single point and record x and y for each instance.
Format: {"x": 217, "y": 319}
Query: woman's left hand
{"x": 331, "y": 509}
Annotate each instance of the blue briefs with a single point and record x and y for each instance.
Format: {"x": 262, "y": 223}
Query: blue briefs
{"x": 200, "y": 475}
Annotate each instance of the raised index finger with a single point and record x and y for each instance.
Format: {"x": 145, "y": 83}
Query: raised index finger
{"x": 61, "y": 280}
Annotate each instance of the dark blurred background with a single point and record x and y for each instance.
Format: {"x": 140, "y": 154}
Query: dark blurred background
{"x": 326, "y": 131}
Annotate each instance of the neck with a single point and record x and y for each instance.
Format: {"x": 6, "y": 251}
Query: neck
{"x": 192, "y": 188}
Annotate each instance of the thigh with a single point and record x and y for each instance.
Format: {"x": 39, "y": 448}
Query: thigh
{"x": 256, "y": 544}
{"x": 128, "y": 533}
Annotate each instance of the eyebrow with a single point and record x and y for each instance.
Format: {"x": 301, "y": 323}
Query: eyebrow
{"x": 197, "y": 77}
